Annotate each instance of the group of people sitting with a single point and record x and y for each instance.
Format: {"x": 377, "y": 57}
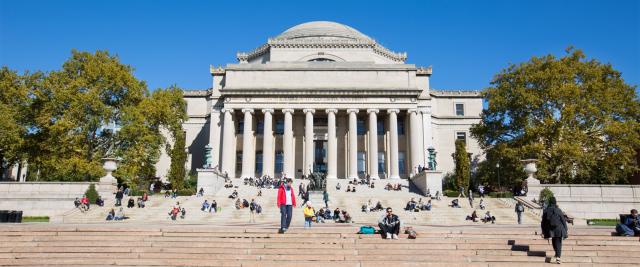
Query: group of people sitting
{"x": 412, "y": 205}
{"x": 369, "y": 207}
{"x": 228, "y": 184}
{"x": 82, "y": 203}
{"x": 234, "y": 194}
{"x": 171, "y": 193}
{"x": 338, "y": 216}
{"x": 253, "y": 206}
{"x": 393, "y": 187}
{"x": 485, "y": 219}
{"x": 209, "y": 207}
{"x": 177, "y": 210}
{"x": 116, "y": 216}
{"x": 141, "y": 201}
{"x": 263, "y": 182}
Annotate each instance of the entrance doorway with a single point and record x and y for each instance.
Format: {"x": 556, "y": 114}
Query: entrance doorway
{"x": 320, "y": 156}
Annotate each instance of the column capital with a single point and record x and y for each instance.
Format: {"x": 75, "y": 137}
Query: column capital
{"x": 412, "y": 110}
{"x": 331, "y": 110}
{"x": 393, "y": 110}
{"x": 426, "y": 110}
{"x": 245, "y": 110}
{"x": 309, "y": 110}
{"x": 353, "y": 110}
{"x": 225, "y": 110}
{"x": 287, "y": 110}
{"x": 267, "y": 110}
{"x": 373, "y": 110}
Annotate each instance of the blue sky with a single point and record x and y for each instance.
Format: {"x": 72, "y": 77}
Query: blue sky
{"x": 174, "y": 42}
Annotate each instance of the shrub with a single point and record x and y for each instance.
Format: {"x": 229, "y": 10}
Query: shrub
{"x": 186, "y": 192}
{"x": 544, "y": 196}
{"x": 91, "y": 193}
{"x": 504, "y": 194}
{"x": 451, "y": 193}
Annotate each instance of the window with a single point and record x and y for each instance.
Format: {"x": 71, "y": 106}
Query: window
{"x": 280, "y": 127}
{"x": 380, "y": 127}
{"x": 361, "y": 162}
{"x": 279, "y": 162}
{"x": 361, "y": 128}
{"x": 321, "y": 59}
{"x": 459, "y": 109}
{"x": 260, "y": 127}
{"x": 259, "y": 162}
{"x": 320, "y": 121}
{"x": 461, "y": 136}
{"x": 240, "y": 129}
{"x": 381, "y": 163}
{"x": 400, "y": 126}
{"x": 401, "y": 160}
{"x": 238, "y": 161}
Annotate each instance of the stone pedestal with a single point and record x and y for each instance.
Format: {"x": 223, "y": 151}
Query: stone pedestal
{"x": 428, "y": 179}
{"x": 108, "y": 184}
{"x": 209, "y": 181}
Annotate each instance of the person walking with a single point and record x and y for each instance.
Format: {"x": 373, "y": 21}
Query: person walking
{"x": 286, "y": 201}
{"x": 461, "y": 192}
{"x": 519, "y": 211}
{"x": 325, "y": 198}
{"x": 119, "y": 196}
{"x": 471, "y": 198}
{"x": 554, "y": 226}
{"x": 252, "y": 211}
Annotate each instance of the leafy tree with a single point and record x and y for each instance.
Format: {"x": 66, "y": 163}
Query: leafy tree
{"x": 462, "y": 170}
{"x": 577, "y": 116}
{"x": 178, "y": 154}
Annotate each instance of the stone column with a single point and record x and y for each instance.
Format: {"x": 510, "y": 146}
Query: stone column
{"x": 332, "y": 150}
{"x": 353, "y": 143}
{"x": 287, "y": 144}
{"x": 393, "y": 144}
{"x": 268, "y": 162}
{"x": 308, "y": 141}
{"x": 416, "y": 140}
{"x": 426, "y": 135}
{"x": 373, "y": 143}
{"x": 248, "y": 151}
{"x": 228, "y": 144}
{"x": 214, "y": 137}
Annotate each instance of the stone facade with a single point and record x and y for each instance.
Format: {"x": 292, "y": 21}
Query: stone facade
{"x": 324, "y": 97}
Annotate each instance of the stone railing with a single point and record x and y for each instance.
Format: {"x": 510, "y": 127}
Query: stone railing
{"x": 428, "y": 179}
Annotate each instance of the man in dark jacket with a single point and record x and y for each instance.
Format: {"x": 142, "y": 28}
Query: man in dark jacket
{"x": 389, "y": 225}
{"x": 630, "y": 225}
{"x": 554, "y": 226}
{"x": 119, "y": 196}
{"x": 519, "y": 211}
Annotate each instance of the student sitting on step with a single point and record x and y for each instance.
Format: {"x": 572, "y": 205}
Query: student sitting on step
{"x": 183, "y": 213}
{"x": 205, "y": 205}
{"x": 111, "y": 215}
{"x": 131, "y": 203}
{"x": 99, "y": 201}
{"x": 455, "y": 203}
{"x": 338, "y": 187}
{"x": 411, "y": 205}
{"x": 427, "y": 206}
{"x": 488, "y": 218}
{"x": 200, "y": 192}
{"x": 238, "y": 204}
{"x": 245, "y": 203}
{"x": 389, "y": 225}
{"x": 119, "y": 215}
{"x": 378, "y": 207}
{"x": 213, "y": 207}
{"x": 482, "y": 206}
{"x": 630, "y": 225}
{"x": 336, "y": 214}
{"x": 320, "y": 216}
{"x": 473, "y": 217}
{"x": 234, "y": 194}
{"x": 349, "y": 187}
{"x": 327, "y": 214}
{"x": 141, "y": 202}
{"x": 343, "y": 217}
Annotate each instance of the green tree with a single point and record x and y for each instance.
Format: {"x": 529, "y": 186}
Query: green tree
{"x": 577, "y": 116}
{"x": 463, "y": 170}
{"x": 177, "y": 172}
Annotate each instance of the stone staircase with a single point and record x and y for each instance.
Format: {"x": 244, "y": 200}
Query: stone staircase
{"x": 336, "y": 245}
{"x": 158, "y": 207}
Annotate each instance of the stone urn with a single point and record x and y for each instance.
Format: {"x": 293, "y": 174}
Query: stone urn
{"x": 530, "y": 169}
{"x": 110, "y": 165}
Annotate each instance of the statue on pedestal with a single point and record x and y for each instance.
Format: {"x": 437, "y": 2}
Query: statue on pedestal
{"x": 432, "y": 164}
{"x": 208, "y": 160}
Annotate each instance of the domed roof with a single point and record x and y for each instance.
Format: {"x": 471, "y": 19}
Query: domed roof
{"x": 323, "y": 29}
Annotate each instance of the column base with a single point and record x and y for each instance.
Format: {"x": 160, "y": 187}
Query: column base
{"x": 394, "y": 177}
{"x": 332, "y": 177}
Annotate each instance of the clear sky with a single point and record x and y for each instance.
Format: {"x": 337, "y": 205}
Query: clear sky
{"x": 174, "y": 42}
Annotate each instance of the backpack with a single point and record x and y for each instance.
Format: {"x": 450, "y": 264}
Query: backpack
{"x": 411, "y": 233}
{"x": 367, "y": 230}
{"x": 258, "y": 209}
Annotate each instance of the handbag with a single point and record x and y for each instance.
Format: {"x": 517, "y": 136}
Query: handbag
{"x": 367, "y": 230}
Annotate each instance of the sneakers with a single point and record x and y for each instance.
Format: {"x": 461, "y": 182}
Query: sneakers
{"x": 558, "y": 261}
{"x": 395, "y": 236}
{"x": 388, "y": 236}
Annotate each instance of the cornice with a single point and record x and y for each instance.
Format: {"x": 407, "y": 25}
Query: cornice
{"x": 320, "y": 92}
{"x": 455, "y": 93}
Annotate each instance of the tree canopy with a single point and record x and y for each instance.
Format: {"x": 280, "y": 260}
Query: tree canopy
{"x": 576, "y": 115}
{"x": 65, "y": 121}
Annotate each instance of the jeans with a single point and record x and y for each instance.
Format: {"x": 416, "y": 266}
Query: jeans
{"x": 519, "y": 217}
{"x": 556, "y": 242}
{"x": 390, "y": 229}
{"x": 285, "y": 216}
{"x": 118, "y": 201}
{"x": 622, "y": 229}
{"x": 307, "y": 222}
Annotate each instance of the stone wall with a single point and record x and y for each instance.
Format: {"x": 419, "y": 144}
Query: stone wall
{"x": 427, "y": 179}
{"x": 593, "y": 201}
{"x": 42, "y": 198}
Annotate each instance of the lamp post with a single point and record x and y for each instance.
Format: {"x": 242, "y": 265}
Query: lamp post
{"x": 499, "y": 185}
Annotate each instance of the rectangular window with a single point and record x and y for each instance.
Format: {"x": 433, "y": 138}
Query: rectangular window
{"x": 279, "y": 162}
{"x": 461, "y": 136}
{"x": 381, "y": 164}
{"x": 238, "y": 160}
{"x": 259, "y": 163}
{"x": 260, "y": 127}
{"x": 380, "y": 127}
{"x": 400, "y": 126}
{"x": 240, "y": 129}
{"x": 361, "y": 162}
{"x": 319, "y": 121}
{"x": 459, "y": 109}
{"x": 361, "y": 127}
{"x": 280, "y": 127}
{"x": 401, "y": 160}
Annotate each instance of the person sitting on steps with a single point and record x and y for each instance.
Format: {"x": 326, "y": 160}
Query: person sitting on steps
{"x": 488, "y": 218}
{"x": 389, "y": 225}
{"x": 427, "y": 206}
{"x": 482, "y": 206}
{"x": 630, "y": 225}
{"x": 234, "y": 194}
{"x": 205, "y": 205}
{"x": 473, "y": 217}
{"x": 455, "y": 203}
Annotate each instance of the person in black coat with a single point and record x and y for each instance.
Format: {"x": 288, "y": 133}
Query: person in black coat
{"x": 554, "y": 226}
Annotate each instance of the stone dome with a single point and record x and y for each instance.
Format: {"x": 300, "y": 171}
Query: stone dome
{"x": 323, "y": 30}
